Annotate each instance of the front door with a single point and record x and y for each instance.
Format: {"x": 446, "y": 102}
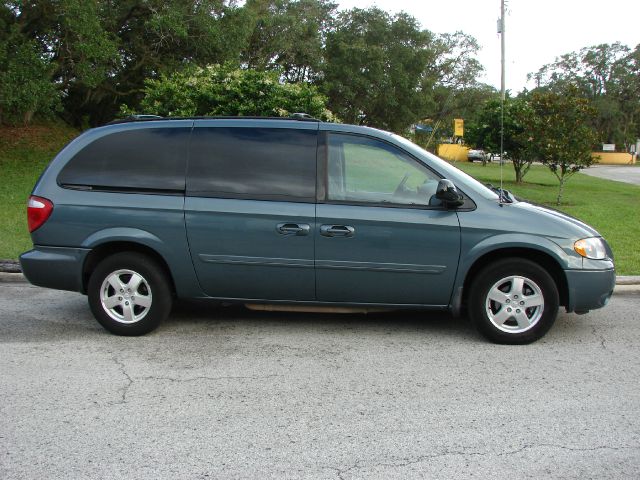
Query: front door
{"x": 381, "y": 236}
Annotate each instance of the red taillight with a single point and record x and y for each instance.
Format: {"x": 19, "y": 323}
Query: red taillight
{"x": 38, "y": 210}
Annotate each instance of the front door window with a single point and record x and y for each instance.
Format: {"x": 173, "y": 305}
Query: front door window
{"x": 365, "y": 170}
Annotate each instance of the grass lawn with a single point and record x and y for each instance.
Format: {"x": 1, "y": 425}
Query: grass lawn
{"x": 24, "y": 152}
{"x": 613, "y": 208}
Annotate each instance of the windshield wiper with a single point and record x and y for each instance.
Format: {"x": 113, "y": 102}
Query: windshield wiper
{"x": 505, "y": 195}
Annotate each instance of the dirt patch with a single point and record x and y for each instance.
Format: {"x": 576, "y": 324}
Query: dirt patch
{"x": 35, "y": 136}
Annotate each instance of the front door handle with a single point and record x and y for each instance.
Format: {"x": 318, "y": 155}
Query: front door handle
{"x": 293, "y": 229}
{"x": 337, "y": 231}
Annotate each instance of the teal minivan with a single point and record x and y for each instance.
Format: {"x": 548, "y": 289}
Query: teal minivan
{"x": 299, "y": 212}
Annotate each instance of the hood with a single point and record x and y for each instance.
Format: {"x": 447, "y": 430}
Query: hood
{"x": 554, "y": 220}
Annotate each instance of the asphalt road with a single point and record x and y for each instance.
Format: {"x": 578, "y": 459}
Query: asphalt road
{"x": 227, "y": 393}
{"x": 619, "y": 173}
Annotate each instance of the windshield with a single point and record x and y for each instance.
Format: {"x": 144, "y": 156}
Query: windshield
{"x": 451, "y": 172}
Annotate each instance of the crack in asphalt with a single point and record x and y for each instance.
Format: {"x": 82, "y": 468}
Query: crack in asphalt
{"x": 599, "y": 336}
{"x": 130, "y": 381}
{"x": 341, "y": 472}
{"x": 128, "y": 378}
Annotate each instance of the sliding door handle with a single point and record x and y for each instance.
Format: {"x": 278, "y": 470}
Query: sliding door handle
{"x": 337, "y": 231}
{"x": 293, "y": 229}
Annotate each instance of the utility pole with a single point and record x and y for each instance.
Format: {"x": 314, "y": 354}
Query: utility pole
{"x": 502, "y": 90}
{"x": 502, "y": 49}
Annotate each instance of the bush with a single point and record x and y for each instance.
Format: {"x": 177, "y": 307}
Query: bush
{"x": 219, "y": 90}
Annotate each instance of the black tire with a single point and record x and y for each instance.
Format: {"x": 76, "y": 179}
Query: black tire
{"x": 519, "y": 287}
{"x": 141, "y": 305}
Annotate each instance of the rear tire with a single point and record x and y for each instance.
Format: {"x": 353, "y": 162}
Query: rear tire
{"x": 129, "y": 294}
{"x": 513, "y": 301}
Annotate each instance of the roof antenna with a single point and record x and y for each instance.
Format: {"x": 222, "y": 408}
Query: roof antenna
{"x": 502, "y": 92}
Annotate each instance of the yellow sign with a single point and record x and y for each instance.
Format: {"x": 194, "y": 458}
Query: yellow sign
{"x": 458, "y": 127}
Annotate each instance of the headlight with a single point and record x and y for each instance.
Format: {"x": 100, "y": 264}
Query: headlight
{"x": 591, "y": 248}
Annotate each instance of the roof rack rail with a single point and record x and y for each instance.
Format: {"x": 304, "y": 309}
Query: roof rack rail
{"x": 303, "y": 116}
{"x": 134, "y": 118}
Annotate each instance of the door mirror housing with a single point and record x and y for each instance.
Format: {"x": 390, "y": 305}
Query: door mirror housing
{"x": 448, "y": 194}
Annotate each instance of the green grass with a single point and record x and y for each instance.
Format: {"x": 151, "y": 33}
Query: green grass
{"x": 612, "y": 208}
{"x": 24, "y": 153}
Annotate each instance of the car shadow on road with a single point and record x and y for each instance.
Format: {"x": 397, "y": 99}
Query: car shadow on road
{"x": 207, "y": 316}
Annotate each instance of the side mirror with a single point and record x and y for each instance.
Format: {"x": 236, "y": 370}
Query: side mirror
{"x": 448, "y": 194}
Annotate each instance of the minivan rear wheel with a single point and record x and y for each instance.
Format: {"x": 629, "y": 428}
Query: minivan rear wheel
{"x": 513, "y": 301}
{"x": 129, "y": 294}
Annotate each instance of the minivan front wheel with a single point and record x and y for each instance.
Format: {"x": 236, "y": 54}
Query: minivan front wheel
{"x": 513, "y": 301}
{"x": 129, "y": 294}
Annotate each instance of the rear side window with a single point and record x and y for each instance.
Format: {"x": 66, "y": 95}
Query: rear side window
{"x": 255, "y": 163}
{"x": 151, "y": 159}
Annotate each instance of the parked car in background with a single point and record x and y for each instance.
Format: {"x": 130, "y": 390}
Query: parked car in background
{"x": 477, "y": 155}
{"x": 304, "y": 213}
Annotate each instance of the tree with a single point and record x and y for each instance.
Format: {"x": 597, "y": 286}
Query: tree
{"x": 25, "y": 88}
{"x": 382, "y": 70}
{"x": 624, "y": 92}
{"x": 102, "y": 51}
{"x": 562, "y": 134}
{"x": 223, "y": 90}
{"x": 608, "y": 75}
{"x": 373, "y": 67}
{"x": 449, "y": 85}
{"x": 288, "y": 36}
{"x": 485, "y": 132}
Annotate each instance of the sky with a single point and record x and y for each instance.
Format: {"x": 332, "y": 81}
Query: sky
{"x": 537, "y": 31}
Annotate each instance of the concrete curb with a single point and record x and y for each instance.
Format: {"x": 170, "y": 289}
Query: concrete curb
{"x": 6, "y": 277}
{"x": 628, "y": 280}
{"x": 626, "y": 289}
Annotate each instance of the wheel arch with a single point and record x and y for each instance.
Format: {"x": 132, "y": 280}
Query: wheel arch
{"x": 545, "y": 260}
{"x": 104, "y": 250}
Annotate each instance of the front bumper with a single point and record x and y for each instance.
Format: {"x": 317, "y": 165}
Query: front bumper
{"x": 54, "y": 267}
{"x": 589, "y": 289}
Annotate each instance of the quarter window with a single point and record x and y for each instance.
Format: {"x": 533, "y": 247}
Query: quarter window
{"x": 139, "y": 159}
{"x": 362, "y": 169}
{"x": 255, "y": 163}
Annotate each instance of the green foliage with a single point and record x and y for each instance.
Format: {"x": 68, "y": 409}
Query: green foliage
{"x": 375, "y": 68}
{"x": 608, "y": 75}
{"x": 219, "y": 90}
{"x": 561, "y": 130}
{"x": 86, "y": 52}
{"x": 386, "y": 71}
{"x": 101, "y": 51}
{"x": 25, "y": 86}
{"x": 382, "y": 70}
{"x": 551, "y": 127}
{"x": 452, "y": 63}
{"x": 288, "y": 36}
{"x": 374, "y": 65}
{"x": 485, "y": 132}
